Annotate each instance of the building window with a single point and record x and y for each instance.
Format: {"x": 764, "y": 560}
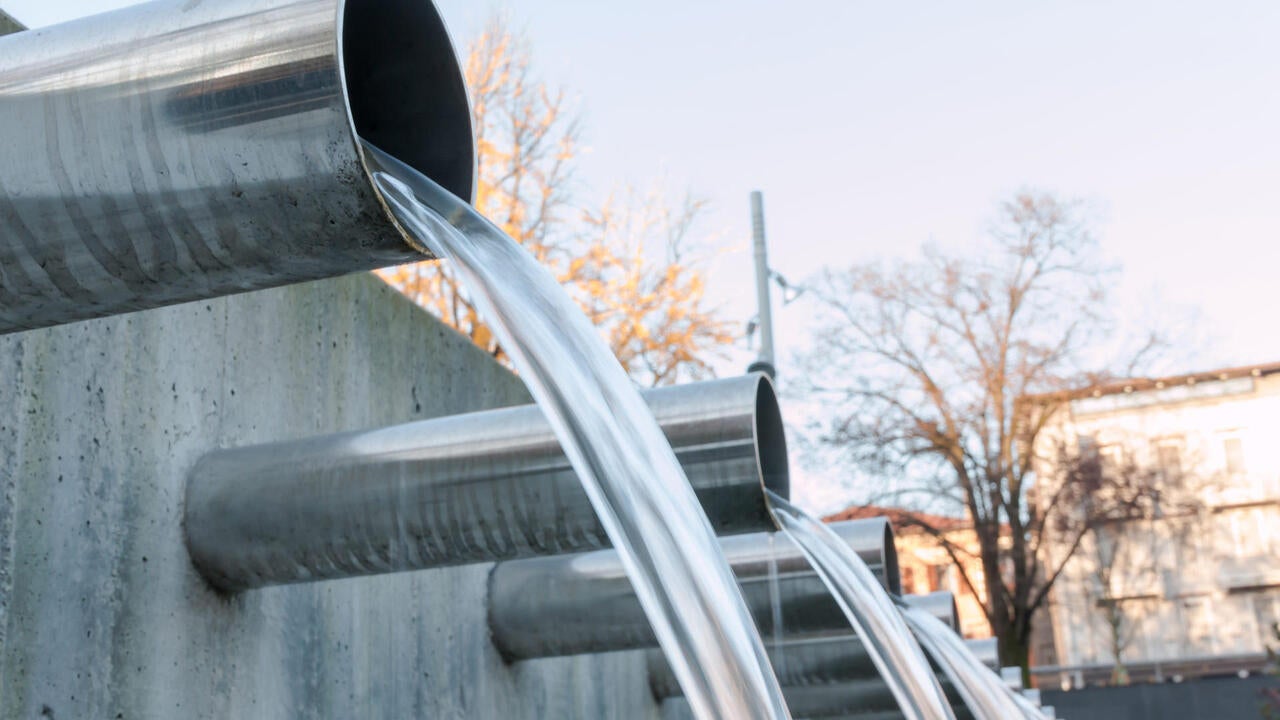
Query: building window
{"x": 944, "y": 577}
{"x": 1197, "y": 623}
{"x": 1113, "y": 460}
{"x": 908, "y": 579}
{"x": 1169, "y": 459}
{"x": 1266, "y": 613}
{"x": 1233, "y": 453}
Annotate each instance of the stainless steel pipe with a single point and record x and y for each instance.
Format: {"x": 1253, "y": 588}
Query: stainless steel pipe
{"x": 855, "y": 698}
{"x": 868, "y": 699}
{"x": 987, "y": 650}
{"x": 570, "y": 605}
{"x": 180, "y": 150}
{"x": 469, "y": 488}
{"x": 941, "y": 604}
{"x": 835, "y": 657}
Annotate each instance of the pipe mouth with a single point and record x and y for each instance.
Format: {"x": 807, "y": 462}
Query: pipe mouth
{"x": 892, "y": 576}
{"x": 404, "y": 89}
{"x": 771, "y": 440}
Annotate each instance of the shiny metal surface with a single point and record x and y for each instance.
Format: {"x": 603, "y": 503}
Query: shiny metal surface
{"x": 874, "y": 615}
{"x": 940, "y": 604}
{"x": 854, "y": 698}
{"x": 468, "y": 488}
{"x": 570, "y": 605}
{"x": 987, "y": 651}
{"x": 835, "y": 657}
{"x": 979, "y": 687}
{"x": 678, "y": 709}
{"x": 764, "y": 304}
{"x": 1012, "y": 677}
{"x": 179, "y": 150}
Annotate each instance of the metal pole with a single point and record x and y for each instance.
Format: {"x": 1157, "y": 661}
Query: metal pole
{"x": 765, "y": 362}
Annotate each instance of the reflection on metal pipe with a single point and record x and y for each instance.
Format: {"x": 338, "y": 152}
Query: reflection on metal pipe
{"x": 833, "y": 657}
{"x": 469, "y": 488}
{"x": 987, "y": 651}
{"x": 1012, "y": 677}
{"x": 852, "y": 698}
{"x": 1032, "y": 695}
{"x": 868, "y": 699}
{"x": 179, "y": 150}
{"x": 570, "y": 605}
{"x": 940, "y": 604}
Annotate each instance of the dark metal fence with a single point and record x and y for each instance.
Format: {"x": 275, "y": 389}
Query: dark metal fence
{"x": 1228, "y": 698}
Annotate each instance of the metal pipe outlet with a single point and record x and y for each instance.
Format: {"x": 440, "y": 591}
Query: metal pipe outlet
{"x": 867, "y": 699}
{"x": 987, "y": 651}
{"x": 854, "y": 698}
{"x": 570, "y": 605}
{"x": 180, "y": 150}
{"x": 797, "y": 661}
{"x": 469, "y": 488}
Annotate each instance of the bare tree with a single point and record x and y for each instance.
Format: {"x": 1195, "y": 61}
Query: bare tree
{"x": 640, "y": 281}
{"x": 927, "y": 367}
{"x": 632, "y": 264}
{"x": 526, "y": 136}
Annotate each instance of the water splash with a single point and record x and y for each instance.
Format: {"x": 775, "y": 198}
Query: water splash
{"x": 626, "y": 466}
{"x": 979, "y": 687}
{"x": 871, "y": 612}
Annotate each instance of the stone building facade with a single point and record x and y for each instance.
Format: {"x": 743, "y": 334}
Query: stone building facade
{"x": 1193, "y": 588}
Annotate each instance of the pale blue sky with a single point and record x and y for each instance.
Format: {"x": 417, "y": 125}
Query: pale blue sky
{"x": 872, "y": 127}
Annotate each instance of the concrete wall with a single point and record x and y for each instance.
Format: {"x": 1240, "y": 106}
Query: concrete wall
{"x": 103, "y": 616}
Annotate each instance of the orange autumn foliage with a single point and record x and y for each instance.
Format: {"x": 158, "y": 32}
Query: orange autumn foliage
{"x": 630, "y": 264}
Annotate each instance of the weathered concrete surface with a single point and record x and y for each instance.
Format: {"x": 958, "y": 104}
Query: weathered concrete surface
{"x": 101, "y": 613}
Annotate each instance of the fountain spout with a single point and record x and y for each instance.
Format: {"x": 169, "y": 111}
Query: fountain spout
{"x": 832, "y": 657}
{"x": 574, "y": 604}
{"x": 470, "y": 488}
{"x": 175, "y": 151}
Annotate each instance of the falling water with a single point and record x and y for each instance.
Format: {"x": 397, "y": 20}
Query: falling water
{"x": 626, "y": 466}
{"x": 775, "y": 607}
{"x": 871, "y": 612}
{"x": 976, "y": 684}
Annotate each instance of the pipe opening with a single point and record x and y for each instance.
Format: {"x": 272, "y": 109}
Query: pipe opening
{"x": 892, "y": 577}
{"x": 771, "y": 440}
{"x": 405, "y": 90}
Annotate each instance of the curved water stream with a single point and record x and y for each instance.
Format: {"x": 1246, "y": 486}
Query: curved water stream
{"x": 975, "y": 682}
{"x": 626, "y": 466}
{"x": 871, "y": 612}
